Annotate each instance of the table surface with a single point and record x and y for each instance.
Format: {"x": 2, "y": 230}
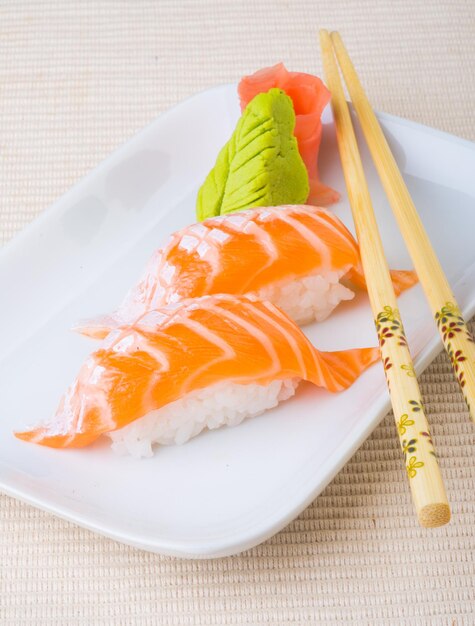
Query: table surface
{"x": 77, "y": 80}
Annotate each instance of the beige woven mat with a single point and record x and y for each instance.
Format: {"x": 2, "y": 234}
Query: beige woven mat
{"x": 76, "y": 80}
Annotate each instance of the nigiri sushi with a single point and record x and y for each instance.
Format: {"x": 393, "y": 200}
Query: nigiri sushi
{"x": 295, "y": 256}
{"x": 201, "y": 363}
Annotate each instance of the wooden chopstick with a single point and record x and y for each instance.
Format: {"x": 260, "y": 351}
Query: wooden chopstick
{"x": 456, "y": 337}
{"x": 421, "y": 463}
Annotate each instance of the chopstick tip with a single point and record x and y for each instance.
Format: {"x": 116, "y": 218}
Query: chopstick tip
{"x": 335, "y": 36}
{"x": 434, "y": 515}
{"x": 325, "y": 41}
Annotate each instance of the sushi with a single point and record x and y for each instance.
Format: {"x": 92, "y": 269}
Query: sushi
{"x": 294, "y": 256}
{"x": 201, "y": 363}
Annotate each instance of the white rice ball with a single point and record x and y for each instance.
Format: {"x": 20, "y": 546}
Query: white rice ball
{"x": 307, "y": 299}
{"x": 223, "y": 404}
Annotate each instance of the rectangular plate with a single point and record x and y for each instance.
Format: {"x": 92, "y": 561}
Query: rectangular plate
{"x": 230, "y": 489}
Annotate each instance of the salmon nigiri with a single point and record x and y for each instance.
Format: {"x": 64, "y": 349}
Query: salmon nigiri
{"x": 198, "y": 364}
{"x": 293, "y": 256}
{"x": 309, "y": 96}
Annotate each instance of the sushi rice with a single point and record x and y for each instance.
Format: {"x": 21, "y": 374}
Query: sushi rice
{"x": 222, "y": 404}
{"x": 308, "y": 299}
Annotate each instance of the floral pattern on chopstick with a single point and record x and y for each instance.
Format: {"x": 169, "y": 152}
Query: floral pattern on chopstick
{"x": 457, "y": 357}
{"x": 428, "y": 439}
{"x": 409, "y": 369}
{"x": 450, "y": 322}
{"x": 413, "y": 466}
{"x": 451, "y": 325}
{"x": 403, "y": 424}
{"x": 413, "y": 439}
{"x": 409, "y": 446}
{"x": 388, "y": 324}
{"x": 387, "y": 364}
{"x": 416, "y": 405}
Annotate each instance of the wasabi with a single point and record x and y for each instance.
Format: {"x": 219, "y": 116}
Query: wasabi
{"x": 260, "y": 165}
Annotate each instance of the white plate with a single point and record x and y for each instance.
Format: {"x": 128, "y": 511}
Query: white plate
{"x": 230, "y": 489}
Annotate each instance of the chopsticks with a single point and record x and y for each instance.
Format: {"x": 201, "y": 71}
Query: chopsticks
{"x": 422, "y": 468}
{"x": 456, "y": 337}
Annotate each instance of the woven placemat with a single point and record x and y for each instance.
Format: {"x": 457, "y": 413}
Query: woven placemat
{"x": 79, "y": 78}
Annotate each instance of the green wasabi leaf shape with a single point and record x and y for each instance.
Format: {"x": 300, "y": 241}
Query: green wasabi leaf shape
{"x": 260, "y": 165}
